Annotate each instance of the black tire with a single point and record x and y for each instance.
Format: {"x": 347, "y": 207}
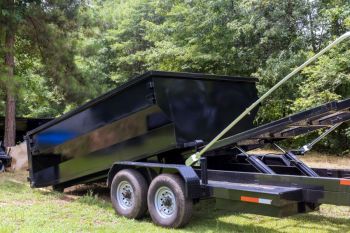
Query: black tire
{"x": 137, "y": 197}
{"x": 180, "y": 211}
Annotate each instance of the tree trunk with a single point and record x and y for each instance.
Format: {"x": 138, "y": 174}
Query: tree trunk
{"x": 10, "y": 115}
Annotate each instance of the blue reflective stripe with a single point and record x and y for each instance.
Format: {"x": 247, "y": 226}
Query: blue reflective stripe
{"x": 55, "y": 138}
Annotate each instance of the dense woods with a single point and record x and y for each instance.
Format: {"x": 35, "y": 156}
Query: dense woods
{"x": 58, "y": 54}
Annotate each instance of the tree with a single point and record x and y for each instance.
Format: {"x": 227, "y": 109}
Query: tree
{"x": 8, "y": 32}
{"x": 50, "y": 28}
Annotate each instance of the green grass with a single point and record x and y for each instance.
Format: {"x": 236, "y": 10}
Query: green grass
{"x": 23, "y": 209}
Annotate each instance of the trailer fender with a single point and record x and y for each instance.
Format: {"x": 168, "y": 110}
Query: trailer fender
{"x": 192, "y": 181}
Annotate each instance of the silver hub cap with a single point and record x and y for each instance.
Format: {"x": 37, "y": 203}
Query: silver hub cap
{"x": 125, "y": 195}
{"x": 165, "y": 202}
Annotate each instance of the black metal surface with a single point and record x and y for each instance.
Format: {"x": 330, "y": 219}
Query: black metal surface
{"x": 278, "y": 194}
{"x": 158, "y": 113}
{"x": 204, "y": 168}
{"x": 336, "y": 173}
{"x": 201, "y": 108}
{"x": 276, "y": 162}
{"x": 259, "y": 165}
{"x": 299, "y": 164}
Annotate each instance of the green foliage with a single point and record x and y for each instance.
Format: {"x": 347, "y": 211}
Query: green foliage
{"x": 47, "y": 78}
{"x": 275, "y": 68}
{"x": 328, "y": 79}
{"x": 223, "y": 37}
{"x": 70, "y": 51}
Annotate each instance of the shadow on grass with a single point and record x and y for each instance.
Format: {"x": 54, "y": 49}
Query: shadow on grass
{"x": 207, "y": 218}
{"x": 321, "y": 222}
{"x": 212, "y": 223}
{"x": 94, "y": 200}
{"x": 308, "y": 222}
{"x": 92, "y": 194}
{"x": 98, "y": 195}
{"x": 99, "y": 189}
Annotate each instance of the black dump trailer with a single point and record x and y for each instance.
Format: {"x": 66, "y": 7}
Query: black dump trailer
{"x": 158, "y": 114}
{"x": 138, "y": 136}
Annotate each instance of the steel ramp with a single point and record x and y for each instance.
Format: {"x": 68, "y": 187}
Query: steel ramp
{"x": 266, "y": 192}
{"x": 269, "y": 200}
{"x": 324, "y": 116}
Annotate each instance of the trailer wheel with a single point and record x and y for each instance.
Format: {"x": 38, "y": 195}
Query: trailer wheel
{"x": 129, "y": 194}
{"x": 167, "y": 203}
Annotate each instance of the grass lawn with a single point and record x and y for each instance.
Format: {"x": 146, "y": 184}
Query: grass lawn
{"x": 23, "y": 209}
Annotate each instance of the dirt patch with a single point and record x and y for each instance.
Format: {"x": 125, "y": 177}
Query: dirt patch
{"x": 17, "y": 203}
{"x": 326, "y": 161}
{"x": 16, "y": 176}
{"x": 19, "y": 157}
{"x": 70, "y": 194}
{"x": 317, "y": 160}
{"x": 68, "y": 198}
{"x": 99, "y": 189}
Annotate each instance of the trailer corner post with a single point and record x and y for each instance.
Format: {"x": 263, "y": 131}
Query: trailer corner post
{"x": 196, "y": 156}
